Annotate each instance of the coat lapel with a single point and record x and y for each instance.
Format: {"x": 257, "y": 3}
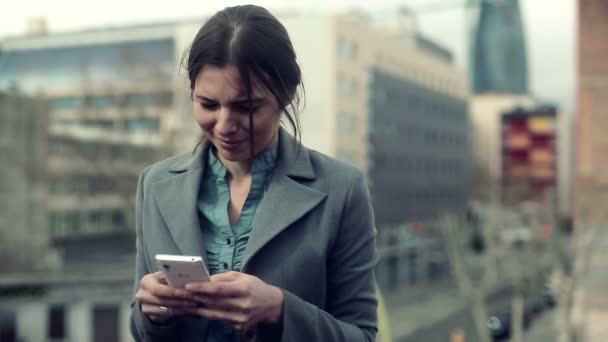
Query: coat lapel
{"x": 177, "y": 197}
{"x": 286, "y": 200}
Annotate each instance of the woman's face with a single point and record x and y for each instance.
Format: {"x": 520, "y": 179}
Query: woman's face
{"x": 221, "y": 109}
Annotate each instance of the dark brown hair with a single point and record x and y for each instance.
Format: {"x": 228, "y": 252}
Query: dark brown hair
{"x": 257, "y": 44}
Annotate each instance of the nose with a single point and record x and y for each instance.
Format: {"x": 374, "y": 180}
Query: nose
{"x": 226, "y": 122}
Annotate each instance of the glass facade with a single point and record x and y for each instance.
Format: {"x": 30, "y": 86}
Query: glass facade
{"x": 159, "y": 99}
{"x": 87, "y": 65}
{"x": 499, "y": 59}
{"x": 135, "y": 125}
{"x": 420, "y": 165}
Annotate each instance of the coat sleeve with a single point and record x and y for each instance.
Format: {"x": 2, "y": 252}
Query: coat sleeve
{"x": 351, "y": 310}
{"x": 142, "y": 328}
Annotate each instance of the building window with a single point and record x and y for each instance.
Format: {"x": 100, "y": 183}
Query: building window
{"x": 118, "y": 219}
{"x": 72, "y": 222}
{"x": 103, "y": 124}
{"x": 346, "y": 122}
{"x": 347, "y": 49}
{"x": 58, "y": 223}
{"x": 346, "y": 86}
{"x": 8, "y": 326}
{"x": 142, "y": 124}
{"x": 56, "y": 322}
{"x": 65, "y": 103}
{"x": 99, "y": 102}
{"x": 105, "y": 323}
{"x": 162, "y": 99}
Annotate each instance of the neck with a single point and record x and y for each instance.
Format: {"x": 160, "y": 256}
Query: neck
{"x": 240, "y": 170}
{"x": 237, "y": 170}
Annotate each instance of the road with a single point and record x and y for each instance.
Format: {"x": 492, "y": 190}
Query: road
{"x": 462, "y": 319}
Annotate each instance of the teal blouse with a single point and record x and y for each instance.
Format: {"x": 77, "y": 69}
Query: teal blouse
{"x": 224, "y": 243}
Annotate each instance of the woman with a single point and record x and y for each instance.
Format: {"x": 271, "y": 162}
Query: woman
{"x": 286, "y": 232}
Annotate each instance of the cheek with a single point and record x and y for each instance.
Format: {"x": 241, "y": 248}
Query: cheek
{"x": 266, "y": 125}
{"x": 204, "y": 118}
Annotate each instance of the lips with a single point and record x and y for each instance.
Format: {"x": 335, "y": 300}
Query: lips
{"x": 231, "y": 144}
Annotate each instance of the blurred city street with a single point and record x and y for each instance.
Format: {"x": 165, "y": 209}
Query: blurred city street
{"x": 478, "y": 125}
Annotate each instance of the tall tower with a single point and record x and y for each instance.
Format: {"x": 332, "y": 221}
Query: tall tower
{"x": 498, "y": 58}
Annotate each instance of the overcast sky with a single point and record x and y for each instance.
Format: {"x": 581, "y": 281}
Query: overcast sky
{"x": 550, "y": 27}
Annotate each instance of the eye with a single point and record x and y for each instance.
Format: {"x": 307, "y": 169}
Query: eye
{"x": 209, "y": 106}
{"x": 246, "y": 109}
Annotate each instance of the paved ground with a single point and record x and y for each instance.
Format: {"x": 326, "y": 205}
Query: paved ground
{"x": 431, "y": 314}
{"x": 542, "y": 329}
{"x": 414, "y": 308}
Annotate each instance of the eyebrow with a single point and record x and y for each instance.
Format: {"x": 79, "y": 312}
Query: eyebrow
{"x": 236, "y": 102}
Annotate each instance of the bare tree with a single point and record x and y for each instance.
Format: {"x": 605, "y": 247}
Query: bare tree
{"x": 518, "y": 263}
{"x": 475, "y": 294}
{"x": 572, "y": 264}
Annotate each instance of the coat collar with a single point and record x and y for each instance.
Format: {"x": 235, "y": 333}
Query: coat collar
{"x": 293, "y": 158}
{"x": 285, "y": 201}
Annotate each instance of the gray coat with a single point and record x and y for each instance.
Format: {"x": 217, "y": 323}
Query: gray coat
{"x": 313, "y": 237}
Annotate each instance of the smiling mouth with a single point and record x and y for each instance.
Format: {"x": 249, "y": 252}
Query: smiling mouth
{"x": 230, "y": 144}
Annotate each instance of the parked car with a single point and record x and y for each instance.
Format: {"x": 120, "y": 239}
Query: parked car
{"x": 500, "y": 325}
{"x": 549, "y": 296}
{"x": 535, "y": 303}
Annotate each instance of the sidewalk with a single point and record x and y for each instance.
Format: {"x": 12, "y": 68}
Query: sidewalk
{"x": 414, "y": 308}
{"x": 542, "y": 329}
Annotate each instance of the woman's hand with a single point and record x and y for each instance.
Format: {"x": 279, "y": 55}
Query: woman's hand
{"x": 240, "y": 299}
{"x": 159, "y": 301}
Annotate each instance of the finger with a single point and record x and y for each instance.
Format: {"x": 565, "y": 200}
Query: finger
{"x": 226, "y": 276}
{"x": 161, "y": 290}
{"x": 148, "y": 298}
{"x": 234, "y": 304}
{"x": 236, "y": 319}
{"x": 163, "y": 311}
{"x": 222, "y": 289}
{"x": 160, "y": 277}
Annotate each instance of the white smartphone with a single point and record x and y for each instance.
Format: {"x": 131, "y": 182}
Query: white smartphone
{"x": 180, "y": 270}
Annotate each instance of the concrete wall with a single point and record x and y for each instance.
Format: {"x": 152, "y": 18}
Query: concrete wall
{"x": 565, "y": 163}
{"x": 32, "y": 321}
{"x": 79, "y": 321}
{"x": 23, "y": 191}
{"x": 312, "y": 37}
{"x": 592, "y": 162}
{"x": 184, "y": 131}
{"x": 592, "y": 121}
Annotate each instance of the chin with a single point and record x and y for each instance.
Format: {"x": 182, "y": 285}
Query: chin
{"x": 236, "y": 156}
